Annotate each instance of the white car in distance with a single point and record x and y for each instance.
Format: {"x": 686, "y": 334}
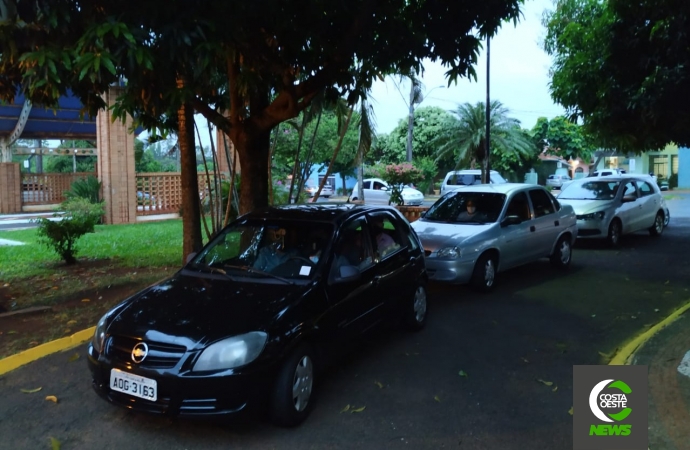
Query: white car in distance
{"x": 378, "y": 192}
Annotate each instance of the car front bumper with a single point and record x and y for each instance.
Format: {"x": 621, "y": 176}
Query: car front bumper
{"x": 591, "y": 229}
{"x": 185, "y": 395}
{"x": 455, "y": 271}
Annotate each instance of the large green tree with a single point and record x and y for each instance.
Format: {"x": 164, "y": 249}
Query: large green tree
{"x": 464, "y": 137}
{"x": 621, "y": 66}
{"x": 561, "y": 137}
{"x": 246, "y": 66}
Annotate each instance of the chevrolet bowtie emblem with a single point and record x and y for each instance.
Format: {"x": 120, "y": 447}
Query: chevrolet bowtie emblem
{"x": 139, "y": 352}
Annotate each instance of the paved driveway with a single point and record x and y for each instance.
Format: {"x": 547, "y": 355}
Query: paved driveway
{"x": 489, "y": 371}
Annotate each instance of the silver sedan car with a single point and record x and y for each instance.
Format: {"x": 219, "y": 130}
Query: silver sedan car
{"x": 472, "y": 234}
{"x": 609, "y": 207}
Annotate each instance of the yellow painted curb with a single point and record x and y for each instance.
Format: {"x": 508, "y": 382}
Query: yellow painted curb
{"x": 624, "y": 356}
{"x": 12, "y": 362}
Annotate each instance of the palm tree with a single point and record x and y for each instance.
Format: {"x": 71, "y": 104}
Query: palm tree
{"x": 465, "y": 135}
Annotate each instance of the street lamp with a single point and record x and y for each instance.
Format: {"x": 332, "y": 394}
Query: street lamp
{"x": 410, "y": 117}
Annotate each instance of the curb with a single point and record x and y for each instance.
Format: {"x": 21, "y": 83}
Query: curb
{"x": 13, "y": 362}
{"x": 625, "y": 355}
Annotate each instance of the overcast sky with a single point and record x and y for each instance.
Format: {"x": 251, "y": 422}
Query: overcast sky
{"x": 519, "y": 78}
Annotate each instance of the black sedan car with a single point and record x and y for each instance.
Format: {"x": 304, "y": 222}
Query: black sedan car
{"x": 249, "y": 320}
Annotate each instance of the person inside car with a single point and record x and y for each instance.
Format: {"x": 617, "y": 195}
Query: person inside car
{"x": 273, "y": 253}
{"x": 470, "y": 214}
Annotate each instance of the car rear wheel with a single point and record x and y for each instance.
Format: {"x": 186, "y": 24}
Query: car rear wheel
{"x": 658, "y": 227}
{"x": 614, "y": 236}
{"x": 414, "y": 317}
{"x": 484, "y": 275}
{"x": 292, "y": 398}
{"x": 562, "y": 254}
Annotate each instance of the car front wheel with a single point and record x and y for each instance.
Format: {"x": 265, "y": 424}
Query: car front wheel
{"x": 292, "y": 398}
{"x": 484, "y": 275}
{"x": 414, "y": 316}
{"x": 562, "y": 254}
{"x": 614, "y": 236}
{"x": 658, "y": 227}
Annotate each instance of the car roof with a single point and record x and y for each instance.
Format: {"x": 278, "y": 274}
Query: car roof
{"x": 617, "y": 177}
{"x": 468, "y": 172}
{"x": 334, "y": 213}
{"x": 501, "y": 188}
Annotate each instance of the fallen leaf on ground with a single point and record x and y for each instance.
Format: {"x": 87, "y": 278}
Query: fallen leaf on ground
{"x": 55, "y": 288}
{"x": 570, "y": 411}
{"x": 378, "y": 383}
{"x": 85, "y": 300}
{"x": 555, "y": 388}
{"x": 54, "y": 443}
{"x": 73, "y": 357}
{"x": 462, "y": 373}
{"x": 656, "y": 309}
{"x": 31, "y": 391}
{"x": 606, "y": 355}
{"x": 33, "y": 343}
{"x": 358, "y": 410}
{"x": 71, "y": 322}
{"x": 52, "y": 398}
{"x": 594, "y": 315}
{"x": 525, "y": 360}
{"x": 436, "y": 397}
{"x": 667, "y": 281}
{"x": 345, "y": 409}
{"x": 548, "y": 383}
{"x": 67, "y": 330}
{"x": 11, "y": 332}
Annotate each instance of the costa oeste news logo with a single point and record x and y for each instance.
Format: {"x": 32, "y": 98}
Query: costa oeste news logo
{"x": 610, "y": 407}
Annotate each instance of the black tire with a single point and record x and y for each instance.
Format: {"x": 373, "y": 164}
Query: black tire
{"x": 658, "y": 227}
{"x": 562, "y": 254}
{"x": 613, "y": 239}
{"x": 484, "y": 274}
{"x": 293, "y": 393}
{"x": 416, "y": 309}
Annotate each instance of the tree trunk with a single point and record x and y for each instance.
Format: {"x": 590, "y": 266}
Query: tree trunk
{"x": 191, "y": 213}
{"x": 252, "y": 146}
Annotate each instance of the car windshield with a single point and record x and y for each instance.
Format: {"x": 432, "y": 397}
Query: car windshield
{"x": 591, "y": 190}
{"x": 278, "y": 250}
{"x": 467, "y": 207}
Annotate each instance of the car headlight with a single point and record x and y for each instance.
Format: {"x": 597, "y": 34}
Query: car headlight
{"x": 231, "y": 352}
{"x": 449, "y": 252}
{"x": 99, "y": 335}
{"x": 592, "y": 216}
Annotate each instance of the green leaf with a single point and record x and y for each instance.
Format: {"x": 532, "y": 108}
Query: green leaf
{"x": 358, "y": 410}
{"x": 462, "y": 373}
{"x": 54, "y": 444}
{"x": 74, "y": 357}
{"x": 345, "y": 409}
{"x": 31, "y": 391}
{"x": 437, "y": 398}
{"x": 109, "y": 65}
{"x": 547, "y": 383}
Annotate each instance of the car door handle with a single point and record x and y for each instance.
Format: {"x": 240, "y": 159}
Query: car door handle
{"x": 533, "y": 228}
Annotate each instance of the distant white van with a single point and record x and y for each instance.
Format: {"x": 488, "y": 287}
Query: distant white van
{"x": 457, "y": 179}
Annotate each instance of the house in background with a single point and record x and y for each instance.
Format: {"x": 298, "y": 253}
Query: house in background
{"x": 671, "y": 160}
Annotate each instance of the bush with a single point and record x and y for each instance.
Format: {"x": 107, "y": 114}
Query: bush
{"x": 88, "y": 188}
{"x": 80, "y": 217}
{"x": 673, "y": 181}
{"x": 399, "y": 175}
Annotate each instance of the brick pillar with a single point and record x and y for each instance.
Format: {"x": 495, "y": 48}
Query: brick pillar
{"x": 10, "y": 188}
{"x": 116, "y": 165}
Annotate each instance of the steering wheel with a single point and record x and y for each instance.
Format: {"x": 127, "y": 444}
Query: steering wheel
{"x": 303, "y": 259}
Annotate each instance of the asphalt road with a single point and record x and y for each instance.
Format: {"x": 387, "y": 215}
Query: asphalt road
{"x": 515, "y": 346}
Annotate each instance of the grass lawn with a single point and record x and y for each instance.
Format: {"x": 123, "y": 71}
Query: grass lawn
{"x": 113, "y": 263}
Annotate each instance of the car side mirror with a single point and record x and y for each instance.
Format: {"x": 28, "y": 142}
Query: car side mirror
{"x": 511, "y": 220}
{"x": 348, "y": 273}
{"x": 629, "y": 198}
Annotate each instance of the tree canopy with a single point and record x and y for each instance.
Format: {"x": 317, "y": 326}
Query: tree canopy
{"x": 621, "y": 67}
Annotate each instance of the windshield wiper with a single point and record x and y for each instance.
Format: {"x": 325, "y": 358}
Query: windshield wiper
{"x": 212, "y": 269}
{"x": 260, "y": 272}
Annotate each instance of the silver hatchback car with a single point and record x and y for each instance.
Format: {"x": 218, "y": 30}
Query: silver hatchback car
{"x": 472, "y": 234}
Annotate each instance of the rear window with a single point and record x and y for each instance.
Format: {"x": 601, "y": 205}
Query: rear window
{"x": 591, "y": 190}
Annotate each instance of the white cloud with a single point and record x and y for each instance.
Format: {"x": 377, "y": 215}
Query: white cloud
{"x": 519, "y": 78}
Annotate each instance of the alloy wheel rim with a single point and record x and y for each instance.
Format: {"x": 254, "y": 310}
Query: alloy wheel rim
{"x": 489, "y": 273}
{"x": 420, "y": 304}
{"x": 659, "y": 223}
{"x": 302, "y": 383}
{"x": 565, "y": 252}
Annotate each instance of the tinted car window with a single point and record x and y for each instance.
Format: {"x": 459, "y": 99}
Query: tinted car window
{"x": 629, "y": 189}
{"x": 385, "y": 233}
{"x": 449, "y": 208}
{"x": 353, "y": 246}
{"x": 519, "y": 206}
{"x": 591, "y": 190}
{"x": 541, "y": 203}
{"x": 290, "y": 249}
{"x": 645, "y": 188}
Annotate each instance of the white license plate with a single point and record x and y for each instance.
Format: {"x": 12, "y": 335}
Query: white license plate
{"x": 133, "y": 385}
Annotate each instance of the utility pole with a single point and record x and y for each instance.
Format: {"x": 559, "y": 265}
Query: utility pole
{"x": 487, "y": 155}
{"x": 410, "y": 122}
